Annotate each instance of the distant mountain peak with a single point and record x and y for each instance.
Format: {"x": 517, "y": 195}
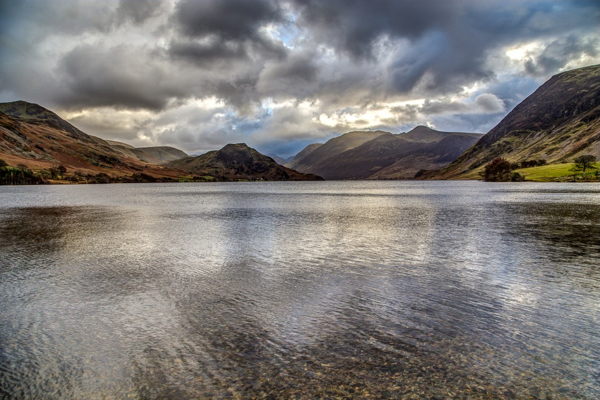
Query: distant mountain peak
{"x": 425, "y": 134}
{"x": 421, "y": 128}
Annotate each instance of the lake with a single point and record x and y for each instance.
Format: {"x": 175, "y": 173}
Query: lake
{"x": 300, "y": 289}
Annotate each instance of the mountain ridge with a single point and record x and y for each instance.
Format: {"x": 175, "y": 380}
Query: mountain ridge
{"x": 38, "y": 139}
{"x": 380, "y": 154}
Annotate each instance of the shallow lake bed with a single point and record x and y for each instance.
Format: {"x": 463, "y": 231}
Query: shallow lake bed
{"x": 303, "y": 289}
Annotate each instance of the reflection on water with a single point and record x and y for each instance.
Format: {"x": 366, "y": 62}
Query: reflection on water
{"x": 316, "y": 289}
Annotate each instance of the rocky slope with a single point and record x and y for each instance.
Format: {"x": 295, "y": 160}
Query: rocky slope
{"x": 382, "y": 155}
{"x": 238, "y": 162}
{"x": 558, "y": 122}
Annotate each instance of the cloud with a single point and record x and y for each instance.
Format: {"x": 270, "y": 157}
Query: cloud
{"x": 356, "y": 26}
{"x": 227, "y": 19}
{"x": 280, "y": 73}
{"x": 208, "y": 53}
{"x": 440, "y": 46}
{"x": 297, "y": 73}
{"x": 557, "y": 54}
{"x": 137, "y": 11}
{"x": 489, "y": 103}
{"x": 121, "y": 77}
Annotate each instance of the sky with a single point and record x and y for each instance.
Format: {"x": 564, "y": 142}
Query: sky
{"x": 279, "y": 75}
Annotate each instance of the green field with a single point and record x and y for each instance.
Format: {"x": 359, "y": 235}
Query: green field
{"x": 555, "y": 172}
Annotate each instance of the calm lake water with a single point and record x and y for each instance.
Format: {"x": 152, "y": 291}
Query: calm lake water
{"x": 305, "y": 289}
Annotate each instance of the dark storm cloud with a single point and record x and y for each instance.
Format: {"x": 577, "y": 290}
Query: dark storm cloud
{"x": 447, "y": 42}
{"x": 225, "y": 37}
{"x": 298, "y": 71}
{"x": 227, "y": 19}
{"x": 207, "y": 54}
{"x": 120, "y": 77}
{"x": 355, "y": 25}
{"x": 213, "y": 52}
{"x": 204, "y": 54}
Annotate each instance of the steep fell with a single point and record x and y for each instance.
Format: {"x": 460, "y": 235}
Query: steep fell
{"x": 37, "y": 138}
{"x": 303, "y": 153}
{"x": 558, "y": 122}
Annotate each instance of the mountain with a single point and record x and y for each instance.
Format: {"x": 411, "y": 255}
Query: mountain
{"x": 39, "y": 139}
{"x": 303, "y": 153}
{"x": 277, "y": 159}
{"x": 238, "y": 162}
{"x": 39, "y": 116}
{"x": 382, "y": 155}
{"x": 156, "y": 154}
{"x": 558, "y": 122}
{"x": 317, "y": 159}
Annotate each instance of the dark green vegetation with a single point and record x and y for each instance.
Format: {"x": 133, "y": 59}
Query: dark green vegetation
{"x": 498, "y": 170}
{"x": 238, "y": 162}
{"x": 18, "y": 176}
{"x": 559, "y": 122}
{"x": 21, "y": 175}
{"x": 382, "y": 155}
{"x": 583, "y": 164}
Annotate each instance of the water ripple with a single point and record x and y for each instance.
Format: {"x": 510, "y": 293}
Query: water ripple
{"x": 303, "y": 290}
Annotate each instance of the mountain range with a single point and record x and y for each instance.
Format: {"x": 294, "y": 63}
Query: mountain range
{"x": 558, "y": 122}
{"x": 383, "y": 155}
{"x": 36, "y": 138}
{"x": 156, "y": 155}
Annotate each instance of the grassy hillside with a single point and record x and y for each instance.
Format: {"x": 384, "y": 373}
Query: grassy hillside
{"x": 156, "y": 155}
{"x": 554, "y": 172}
